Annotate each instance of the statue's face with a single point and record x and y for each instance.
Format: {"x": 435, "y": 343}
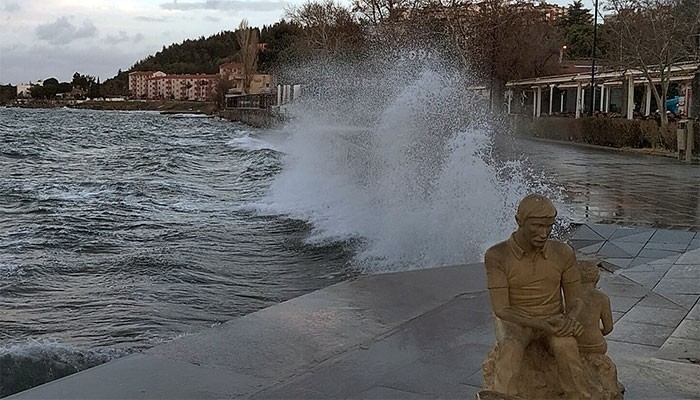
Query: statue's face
{"x": 536, "y": 230}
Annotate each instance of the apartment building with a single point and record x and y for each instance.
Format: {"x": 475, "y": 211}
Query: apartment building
{"x": 155, "y": 85}
{"x": 192, "y": 87}
{"x": 139, "y": 82}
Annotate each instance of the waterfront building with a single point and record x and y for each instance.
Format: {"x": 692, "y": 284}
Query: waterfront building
{"x": 190, "y": 87}
{"x": 620, "y": 92}
{"x": 138, "y": 82}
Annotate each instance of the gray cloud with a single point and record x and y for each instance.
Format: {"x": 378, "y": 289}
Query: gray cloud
{"x": 235, "y": 5}
{"x": 212, "y": 19}
{"x": 10, "y": 7}
{"x": 24, "y": 64}
{"x": 62, "y": 31}
{"x": 151, "y": 19}
{"x": 123, "y": 37}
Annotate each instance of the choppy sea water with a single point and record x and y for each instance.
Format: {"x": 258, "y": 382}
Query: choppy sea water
{"x": 120, "y": 230}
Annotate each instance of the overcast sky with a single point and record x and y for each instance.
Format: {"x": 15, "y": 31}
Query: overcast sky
{"x": 55, "y": 38}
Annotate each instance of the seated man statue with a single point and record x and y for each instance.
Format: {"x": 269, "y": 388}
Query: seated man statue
{"x": 535, "y": 287}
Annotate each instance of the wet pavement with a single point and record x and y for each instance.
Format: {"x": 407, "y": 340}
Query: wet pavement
{"x": 611, "y": 186}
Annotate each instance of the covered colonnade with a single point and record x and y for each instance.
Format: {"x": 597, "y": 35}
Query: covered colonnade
{"x": 623, "y": 92}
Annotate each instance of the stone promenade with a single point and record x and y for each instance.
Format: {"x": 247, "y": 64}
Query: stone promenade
{"x": 418, "y": 335}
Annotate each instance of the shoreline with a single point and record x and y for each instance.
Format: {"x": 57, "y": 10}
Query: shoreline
{"x": 168, "y": 106}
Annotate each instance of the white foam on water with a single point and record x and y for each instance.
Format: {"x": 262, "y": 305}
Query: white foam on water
{"x": 415, "y": 182}
{"x": 250, "y": 143}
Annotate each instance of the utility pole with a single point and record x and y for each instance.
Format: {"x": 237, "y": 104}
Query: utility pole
{"x": 595, "y": 34}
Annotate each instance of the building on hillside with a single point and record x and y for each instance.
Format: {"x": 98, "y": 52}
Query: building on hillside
{"x": 190, "y": 87}
{"x": 138, "y": 82}
{"x": 23, "y": 90}
{"x": 261, "y": 83}
{"x": 233, "y": 72}
{"x": 621, "y": 92}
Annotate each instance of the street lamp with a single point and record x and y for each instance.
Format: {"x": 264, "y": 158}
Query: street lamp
{"x": 595, "y": 34}
{"x": 561, "y": 53}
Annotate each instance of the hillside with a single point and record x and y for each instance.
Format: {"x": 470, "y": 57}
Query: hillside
{"x": 204, "y": 55}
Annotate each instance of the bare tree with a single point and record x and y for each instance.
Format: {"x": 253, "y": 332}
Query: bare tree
{"x": 326, "y": 26}
{"x": 655, "y": 36}
{"x": 247, "y": 38}
{"x": 498, "y": 40}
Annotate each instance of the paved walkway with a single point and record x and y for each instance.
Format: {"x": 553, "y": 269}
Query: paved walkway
{"x": 415, "y": 335}
{"x": 621, "y": 188}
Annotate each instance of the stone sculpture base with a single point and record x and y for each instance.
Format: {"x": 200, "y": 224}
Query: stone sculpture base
{"x": 540, "y": 379}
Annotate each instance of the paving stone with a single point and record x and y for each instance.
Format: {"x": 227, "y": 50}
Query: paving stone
{"x": 690, "y": 257}
{"x": 633, "y": 234}
{"x": 694, "y": 313}
{"x": 618, "y": 349}
{"x": 669, "y": 236}
{"x": 646, "y": 279}
{"x": 617, "y": 315}
{"x": 655, "y": 316}
{"x": 586, "y": 233}
{"x": 631, "y": 248}
{"x": 680, "y": 349}
{"x": 675, "y": 247}
{"x": 659, "y": 266}
{"x": 640, "y": 333}
{"x": 641, "y": 261}
{"x": 139, "y": 376}
{"x": 383, "y": 392}
{"x": 579, "y": 245}
{"x": 467, "y": 357}
{"x": 687, "y": 301}
{"x": 470, "y": 393}
{"x": 694, "y": 244}
{"x": 657, "y": 254}
{"x": 677, "y": 286}
{"x": 688, "y": 329}
{"x": 656, "y": 300}
{"x": 604, "y": 230}
{"x": 291, "y": 393}
{"x": 655, "y": 379}
{"x": 475, "y": 379}
{"x": 622, "y": 304}
{"x": 685, "y": 271}
{"x": 592, "y": 249}
{"x": 623, "y": 288}
{"x": 609, "y": 250}
{"x": 620, "y": 262}
{"x": 431, "y": 380}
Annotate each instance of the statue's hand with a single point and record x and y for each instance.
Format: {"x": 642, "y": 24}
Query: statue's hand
{"x": 564, "y": 326}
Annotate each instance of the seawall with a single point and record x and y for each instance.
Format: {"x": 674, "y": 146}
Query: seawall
{"x": 256, "y": 117}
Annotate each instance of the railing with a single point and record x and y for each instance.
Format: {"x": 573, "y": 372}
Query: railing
{"x": 262, "y": 100}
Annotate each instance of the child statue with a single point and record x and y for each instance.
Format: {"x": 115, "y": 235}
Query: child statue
{"x": 596, "y": 311}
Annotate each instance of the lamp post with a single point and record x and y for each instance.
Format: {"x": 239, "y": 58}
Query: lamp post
{"x": 561, "y": 53}
{"x": 595, "y": 34}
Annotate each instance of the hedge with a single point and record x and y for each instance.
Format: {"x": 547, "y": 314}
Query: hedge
{"x": 608, "y": 132}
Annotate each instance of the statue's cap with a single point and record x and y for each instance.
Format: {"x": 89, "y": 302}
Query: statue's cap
{"x": 536, "y": 206}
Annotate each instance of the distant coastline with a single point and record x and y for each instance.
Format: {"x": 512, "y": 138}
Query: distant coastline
{"x": 168, "y": 106}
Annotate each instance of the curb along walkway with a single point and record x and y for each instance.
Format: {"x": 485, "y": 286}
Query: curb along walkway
{"x": 418, "y": 335}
